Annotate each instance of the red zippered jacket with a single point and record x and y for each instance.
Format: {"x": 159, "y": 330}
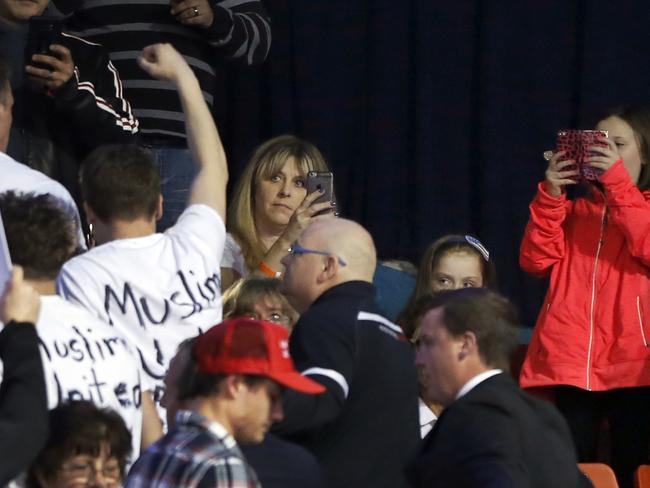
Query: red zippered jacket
{"x": 594, "y": 326}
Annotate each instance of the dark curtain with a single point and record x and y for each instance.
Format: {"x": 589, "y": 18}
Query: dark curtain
{"x": 434, "y": 115}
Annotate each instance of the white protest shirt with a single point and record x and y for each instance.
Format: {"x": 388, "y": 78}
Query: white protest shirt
{"x": 87, "y": 359}
{"x": 21, "y": 178}
{"x": 158, "y": 290}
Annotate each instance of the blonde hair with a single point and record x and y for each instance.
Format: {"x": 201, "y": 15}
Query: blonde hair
{"x": 268, "y": 159}
{"x": 240, "y": 299}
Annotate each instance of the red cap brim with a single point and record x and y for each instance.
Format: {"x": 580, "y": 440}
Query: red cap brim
{"x": 298, "y": 382}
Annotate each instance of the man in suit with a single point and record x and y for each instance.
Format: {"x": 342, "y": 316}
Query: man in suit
{"x": 491, "y": 433}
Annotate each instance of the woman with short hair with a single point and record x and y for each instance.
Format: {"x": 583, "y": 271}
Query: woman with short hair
{"x": 87, "y": 447}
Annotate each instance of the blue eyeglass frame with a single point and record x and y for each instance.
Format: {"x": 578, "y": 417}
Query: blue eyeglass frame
{"x": 298, "y": 249}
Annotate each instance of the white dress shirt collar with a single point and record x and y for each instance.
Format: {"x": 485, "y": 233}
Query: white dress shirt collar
{"x": 427, "y": 418}
{"x": 479, "y": 378}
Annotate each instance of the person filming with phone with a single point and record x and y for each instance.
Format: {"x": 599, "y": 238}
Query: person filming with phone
{"x": 590, "y": 343}
{"x": 284, "y": 187}
{"x": 68, "y": 95}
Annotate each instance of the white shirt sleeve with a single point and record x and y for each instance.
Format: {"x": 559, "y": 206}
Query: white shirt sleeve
{"x": 204, "y": 227}
{"x": 233, "y": 257}
{"x": 73, "y": 285}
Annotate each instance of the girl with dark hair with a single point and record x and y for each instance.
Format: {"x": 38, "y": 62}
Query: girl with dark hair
{"x": 591, "y": 339}
{"x": 451, "y": 262}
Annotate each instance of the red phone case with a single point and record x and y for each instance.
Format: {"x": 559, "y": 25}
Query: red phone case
{"x": 575, "y": 144}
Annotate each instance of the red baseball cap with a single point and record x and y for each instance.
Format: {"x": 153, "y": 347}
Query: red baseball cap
{"x": 247, "y": 346}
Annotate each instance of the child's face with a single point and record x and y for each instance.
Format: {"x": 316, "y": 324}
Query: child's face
{"x": 457, "y": 269}
{"x": 628, "y": 148}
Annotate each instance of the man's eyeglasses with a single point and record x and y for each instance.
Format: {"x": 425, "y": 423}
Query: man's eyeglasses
{"x": 297, "y": 249}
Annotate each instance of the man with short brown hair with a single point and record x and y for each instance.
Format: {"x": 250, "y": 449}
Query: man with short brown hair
{"x": 232, "y": 392}
{"x": 156, "y": 289}
{"x": 491, "y": 433}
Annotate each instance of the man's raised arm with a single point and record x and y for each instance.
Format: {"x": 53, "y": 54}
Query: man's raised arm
{"x": 163, "y": 62}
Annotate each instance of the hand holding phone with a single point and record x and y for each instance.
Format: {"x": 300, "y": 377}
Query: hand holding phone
{"x": 47, "y": 61}
{"x": 603, "y": 156}
{"x": 561, "y": 172}
{"x": 43, "y": 31}
{"x": 576, "y": 146}
{"x": 322, "y": 181}
{"x": 317, "y": 204}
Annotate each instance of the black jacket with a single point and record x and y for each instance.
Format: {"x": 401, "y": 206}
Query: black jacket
{"x": 364, "y": 429}
{"x": 498, "y": 436}
{"x": 54, "y": 133}
{"x": 23, "y": 400}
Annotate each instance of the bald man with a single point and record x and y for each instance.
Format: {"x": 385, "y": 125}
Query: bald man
{"x": 364, "y": 429}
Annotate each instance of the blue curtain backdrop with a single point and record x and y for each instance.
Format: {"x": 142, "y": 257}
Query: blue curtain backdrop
{"x": 434, "y": 115}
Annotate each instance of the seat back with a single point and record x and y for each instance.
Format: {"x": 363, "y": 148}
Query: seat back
{"x": 600, "y": 475}
{"x": 642, "y": 477}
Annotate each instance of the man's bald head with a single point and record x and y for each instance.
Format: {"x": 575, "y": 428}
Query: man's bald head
{"x": 349, "y": 241}
{"x": 335, "y": 251}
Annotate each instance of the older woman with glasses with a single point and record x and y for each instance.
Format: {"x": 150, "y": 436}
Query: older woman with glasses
{"x": 87, "y": 447}
{"x": 259, "y": 298}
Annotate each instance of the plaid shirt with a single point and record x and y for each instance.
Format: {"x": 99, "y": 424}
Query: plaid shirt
{"x": 195, "y": 453}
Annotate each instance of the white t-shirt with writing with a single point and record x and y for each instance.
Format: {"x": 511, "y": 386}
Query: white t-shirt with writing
{"x": 87, "y": 359}
{"x": 157, "y": 290}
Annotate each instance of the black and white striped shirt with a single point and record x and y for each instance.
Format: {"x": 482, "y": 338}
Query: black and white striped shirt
{"x": 240, "y": 30}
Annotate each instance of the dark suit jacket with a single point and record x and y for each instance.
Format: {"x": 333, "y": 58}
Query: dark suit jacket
{"x": 498, "y": 436}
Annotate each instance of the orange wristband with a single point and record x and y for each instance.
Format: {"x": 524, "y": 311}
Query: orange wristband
{"x": 268, "y": 271}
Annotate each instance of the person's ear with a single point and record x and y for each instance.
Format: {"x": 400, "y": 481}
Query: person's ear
{"x": 330, "y": 267}
{"x": 234, "y": 385}
{"x": 468, "y": 345}
{"x": 6, "y": 99}
{"x": 159, "y": 208}
{"x": 230, "y": 385}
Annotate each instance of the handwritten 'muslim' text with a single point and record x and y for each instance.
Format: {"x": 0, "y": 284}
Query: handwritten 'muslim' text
{"x": 191, "y": 297}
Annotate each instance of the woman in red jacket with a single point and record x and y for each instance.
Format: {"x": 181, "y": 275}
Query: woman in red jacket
{"x": 591, "y": 338}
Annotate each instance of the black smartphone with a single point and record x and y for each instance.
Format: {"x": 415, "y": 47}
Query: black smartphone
{"x": 321, "y": 180}
{"x": 43, "y": 31}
